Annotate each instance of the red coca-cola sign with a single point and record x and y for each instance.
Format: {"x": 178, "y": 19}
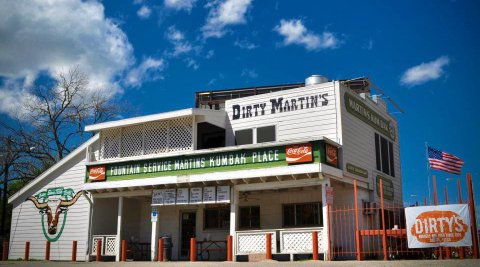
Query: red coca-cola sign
{"x": 332, "y": 155}
{"x": 97, "y": 173}
{"x": 299, "y": 153}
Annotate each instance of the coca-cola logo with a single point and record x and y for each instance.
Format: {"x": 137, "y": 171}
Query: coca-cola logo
{"x": 96, "y": 173}
{"x": 299, "y": 153}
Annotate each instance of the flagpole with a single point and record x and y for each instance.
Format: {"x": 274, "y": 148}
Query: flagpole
{"x": 428, "y": 171}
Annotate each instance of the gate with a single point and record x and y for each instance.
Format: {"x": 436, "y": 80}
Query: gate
{"x": 377, "y": 230}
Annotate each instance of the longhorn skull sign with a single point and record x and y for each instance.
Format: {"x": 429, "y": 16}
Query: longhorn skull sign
{"x": 58, "y": 200}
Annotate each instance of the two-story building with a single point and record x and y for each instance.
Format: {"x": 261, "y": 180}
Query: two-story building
{"x": 243, "y": 162}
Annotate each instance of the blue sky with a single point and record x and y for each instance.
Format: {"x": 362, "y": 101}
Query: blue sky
{"x": 156, "y": 54}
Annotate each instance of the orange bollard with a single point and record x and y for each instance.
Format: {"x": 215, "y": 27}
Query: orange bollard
{"x": 5, "y": 250}
{"x": 27, "y": 251}
{"x": 193, "y": 249}
{"x": 160, "y": 250}
{"x": 74, "y": 251}
{"x": 229, "y": 248}
{"x": 99, "y": 250}
{"x": 47, "y": 251}
{"x": 124, "y": 250}
{"x": 315, "y": 245}
{"x": 268, "y": 252}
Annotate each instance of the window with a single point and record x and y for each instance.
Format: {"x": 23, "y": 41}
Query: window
{"x": 265, "y": 134}
{"x": 307, "y": 214}
{"x": 244, "y": 137}
{"x": 384, "y": 155}
{"x": 216, "y": 218}
{"x": 250, "y": 217}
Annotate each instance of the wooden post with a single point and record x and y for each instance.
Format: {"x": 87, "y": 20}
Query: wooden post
{"x": 315, "y": 245}
{"x": 447, "y": 249}
{"x": 358, "y": 239}
{"x": 27, "y": 251}
{"x": 47, "y": 251}
{"x": 5, "y": 250}
{"x": 384, "y": 232}
{"x": 74, "y": 251}
{"x": 99, "y": 250}
{"x": 471, "y": 202}
{"x": 124, "y": 250}
{"x": 160, "y": 250}
{"x": 193, "y": 249}
{"x": 461, "y": 250}
{"x": 229, "y": 248}
{"x": 268, "y": 245}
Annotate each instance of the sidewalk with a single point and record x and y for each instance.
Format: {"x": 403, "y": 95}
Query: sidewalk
{"x": 405, "y": 263}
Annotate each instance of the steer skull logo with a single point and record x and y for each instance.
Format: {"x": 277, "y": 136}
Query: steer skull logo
{"x": 51, "y": 204}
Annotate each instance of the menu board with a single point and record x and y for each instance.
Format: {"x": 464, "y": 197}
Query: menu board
{"x": 223, "y": 194}
{"x": 209, "y": 194}
{"x": 158, "y": 196}
{"x": 182, "y": 196}
{"x": 170, "y": 195}
{"x": 196, "y": 195}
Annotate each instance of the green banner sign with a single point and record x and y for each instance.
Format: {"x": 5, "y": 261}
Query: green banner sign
{"x": 56, "y": 191}
{"x": 357, "y": 170}
{"x": 204, "y": 163}
{"x": 388, "y": 192}
{"x": 360, "y": 110}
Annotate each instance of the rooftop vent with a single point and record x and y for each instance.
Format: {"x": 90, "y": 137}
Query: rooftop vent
{"x": 315, "y": 79}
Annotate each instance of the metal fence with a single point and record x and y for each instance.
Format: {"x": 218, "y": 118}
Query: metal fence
{"x": 377, "y": 230}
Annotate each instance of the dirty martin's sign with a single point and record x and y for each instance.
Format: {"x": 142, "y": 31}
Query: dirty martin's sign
{"x": 279, "y": 105}
{"x": 434, "y": 226}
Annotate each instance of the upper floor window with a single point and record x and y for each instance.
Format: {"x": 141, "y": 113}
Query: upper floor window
{"x": 384, "y": 155}
{"x": 262, "y": 135}
{"x": 266, "y": 134}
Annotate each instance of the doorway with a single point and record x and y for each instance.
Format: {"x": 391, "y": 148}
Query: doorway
{"x": 187, "y": 230}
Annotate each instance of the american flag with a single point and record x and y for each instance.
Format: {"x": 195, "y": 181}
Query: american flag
{"x": 443, "y": 161}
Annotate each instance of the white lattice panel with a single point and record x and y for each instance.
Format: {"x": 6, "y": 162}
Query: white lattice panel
{"x": 299, "y": 241}
{"x": 132, "y": 141}
{"x": 110, "y": 245}
{"x": 110, "y": 144}
{"x": 156, "y": 137}
{"x": 254, "y": 242}
{"x": 181, "y": 134}
{"x": 94, "y": 244}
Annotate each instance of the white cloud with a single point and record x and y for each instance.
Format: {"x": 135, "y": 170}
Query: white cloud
{"x": 425, "y": 72}
{"x": 177, "y": 39}
{"x": 148, "y": 70}
{"x": 144, "y": 12}
{"x": 223, "y": 14}
{"x": 250, "y": 73}
{"x": 180, "y": 4}
{"x": 53, "y": 36}
{"x": 245, "y": 44}
{"x": 294, "y": 32}
{"x": 191, "y": 63}
{"x": 210, "y": 54}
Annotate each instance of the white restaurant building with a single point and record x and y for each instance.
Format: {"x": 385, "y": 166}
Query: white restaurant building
{"x": 244, "y": 162}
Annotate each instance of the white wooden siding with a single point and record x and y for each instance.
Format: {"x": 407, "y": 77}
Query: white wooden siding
{"x": 302, "y": 123}
{"x": 358, "y": 145}
{"x": 26, "y": 220}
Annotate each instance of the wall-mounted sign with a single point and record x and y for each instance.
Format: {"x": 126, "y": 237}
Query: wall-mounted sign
{"x": 158, "y": 197}
{"x": 388, "y": 192}
{"x": 331, "y": 155}
{"x": 154, "y": 215}
{"x": 301, "y": 153}
{"x": 329, "y": 194}
{"x": 279, "y": 105}
{"x": 170, "y": 196}
{"x": 434, "y": 226}
{"x": 223, "y": 194}
{"x": 196, "y": 196}
{"x": 360, "y": 110}
{"x": 209, "y": 194}
{"x": 182, "y": 196}
{"x": 96, "y": 173}
{"x": 357, "y": 170}
{"x": 262, "y": 157}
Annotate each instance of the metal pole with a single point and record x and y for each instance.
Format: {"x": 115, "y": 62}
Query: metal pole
{"x": 461, "y": 250}
{"x": 435, "y": 202}
{"x": 229, "y": 248}
{"x": 315, "y": 245}
{"x": 384, "y": 232}
{"x": 268, "y": 252}
{"x": 160, "y": 250}
{"x": 473, "y": 215}
{"x": 447, "y": 249}
{"x": 193, "y": 249}
{"x": 358, "y": 239}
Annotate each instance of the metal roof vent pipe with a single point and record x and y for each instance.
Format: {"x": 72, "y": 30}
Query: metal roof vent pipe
{"x": 315, "y": 79}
